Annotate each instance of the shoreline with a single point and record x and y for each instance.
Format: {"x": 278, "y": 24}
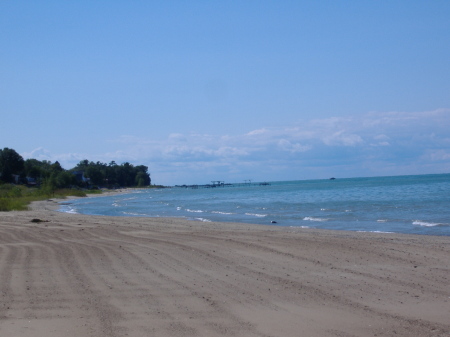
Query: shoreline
{"x": 131, "y": 190}
{"x": 76, "y": 274}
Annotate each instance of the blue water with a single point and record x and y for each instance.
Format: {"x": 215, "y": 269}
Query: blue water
{"x": 401, "y": 204}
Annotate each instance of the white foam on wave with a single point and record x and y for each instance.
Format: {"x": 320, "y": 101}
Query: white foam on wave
{"x": 224, "y": 213}
{"x": 375, "y": 232}
{"x": 194, "y": 211}
{"x": 382, "y": 220}
{"x": 257, "y": 215}
{"x": 203, "y": 220}
{"x": 132, "y": 198}
{"x": 310, "y": 218}
{"x": 428, "y": 224}
{"x": 335, "y": 210}
{"x": 68, "y": 209}
{"x": 134, "y": 214}
{"x": 71, "y": 211}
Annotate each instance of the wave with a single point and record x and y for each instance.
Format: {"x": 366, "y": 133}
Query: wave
{"x": 135, "y": 214}
{"x": 224, "y": 213}
{"x": 310, "y": 218}
{"x": 193, "y": 210}
{"x": 382, "y": 220}
{"x": 382, "y": 232}
{"x": 70, "y": 211}
{"x": 257, "y": 215}
{"x": 203, "y": 219}
{"x": 428, "y": 224}
{"x": 335, "y": 210}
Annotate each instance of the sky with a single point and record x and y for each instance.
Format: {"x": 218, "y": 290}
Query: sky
{"x": 229, "y": 90}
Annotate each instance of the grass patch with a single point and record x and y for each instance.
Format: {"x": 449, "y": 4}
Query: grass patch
{"x": 12, "y": 204}
{"x": 93, "y": 191}
{"x": 17, "y": 198}
{"x": 66, "y": 192}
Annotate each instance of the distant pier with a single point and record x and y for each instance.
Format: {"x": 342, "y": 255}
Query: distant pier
{"x": 221, "y": 183}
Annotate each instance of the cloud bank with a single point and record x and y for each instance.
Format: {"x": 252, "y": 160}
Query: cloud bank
{"x": 390, "y": 143}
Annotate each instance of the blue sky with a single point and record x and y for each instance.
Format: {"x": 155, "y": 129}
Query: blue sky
{"x": 231, "y": 90}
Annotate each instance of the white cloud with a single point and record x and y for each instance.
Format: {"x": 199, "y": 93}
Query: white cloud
{"x": 388, "y": 143}
{"x": 380, "y": 140}
{"x": 39, "y": 153}
{"x": 342, "y": 138}
{"x": 257, "y": 132}
{"x": 288, "y": 146}
{"x": 177, "y": 137}
{"x": 381, "y": 137}
{"x": 65, "y": 159}
{"x": 437, "y": 155}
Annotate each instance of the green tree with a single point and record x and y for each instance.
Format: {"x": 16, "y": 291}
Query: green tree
{"x": 49, "y": 185}
{"x": 94, "y": 172}
{"x": 142, "y": 177}
{"x": 56, "y": 167}
{"x": 32, "y": 168}
{"x": 65, "y": 179}
{"x": 111, "y": 173}
{"x": 10, "y": 163}
{"x": 81, "y": 166}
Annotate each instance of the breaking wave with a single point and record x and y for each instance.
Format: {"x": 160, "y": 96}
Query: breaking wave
{"x": 428, "y": 224}
{"x": 310, "y": 218}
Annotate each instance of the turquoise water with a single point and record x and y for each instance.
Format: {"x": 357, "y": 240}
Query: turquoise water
{"x": 402, "y": 204}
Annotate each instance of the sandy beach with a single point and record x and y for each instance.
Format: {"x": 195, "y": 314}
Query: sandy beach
{"x": 77, "y": 275}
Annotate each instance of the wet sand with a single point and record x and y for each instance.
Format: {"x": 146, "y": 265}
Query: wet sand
{"x": 79, "y": 275}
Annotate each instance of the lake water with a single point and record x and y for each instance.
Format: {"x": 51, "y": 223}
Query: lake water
{"x": 403, "y": 204}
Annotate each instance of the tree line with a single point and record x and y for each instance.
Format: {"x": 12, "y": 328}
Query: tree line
{"x": 87, "y": 174}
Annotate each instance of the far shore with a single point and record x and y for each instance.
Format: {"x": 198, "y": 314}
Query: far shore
{"x": 80, "y": 275}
